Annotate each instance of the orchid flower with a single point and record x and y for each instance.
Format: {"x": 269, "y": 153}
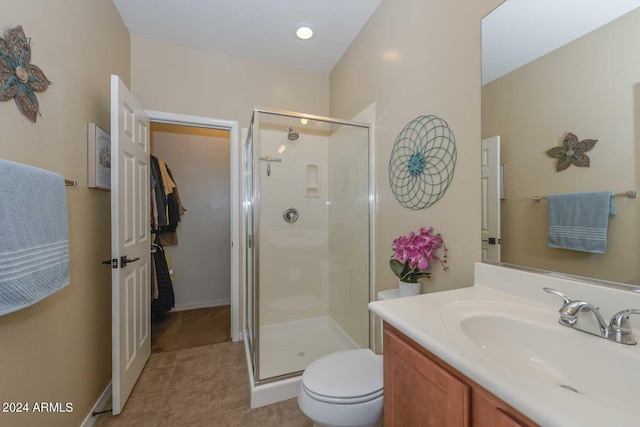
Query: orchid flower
{"x": 415, "y": 252}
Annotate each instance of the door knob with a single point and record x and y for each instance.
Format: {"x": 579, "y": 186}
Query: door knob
{"x": 491, "y": 240}
{"x": 112, "y": 262}
{"x": 124, "y": 260}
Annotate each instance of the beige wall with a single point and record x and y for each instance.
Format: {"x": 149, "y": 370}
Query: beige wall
{"x": 413, "y": 58}
{"x": 586, "y": 87}
{"x": 178, "y": 79}
{"x": 59, "y": 350}
{"x": 199, "y": 161}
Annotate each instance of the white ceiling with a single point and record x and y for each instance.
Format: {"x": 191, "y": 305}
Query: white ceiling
{"x": 519, "y": 31}
{"x": 254, "y": 29}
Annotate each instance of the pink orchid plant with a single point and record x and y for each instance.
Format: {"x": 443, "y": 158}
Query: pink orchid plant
{"x": 414, "y": 253}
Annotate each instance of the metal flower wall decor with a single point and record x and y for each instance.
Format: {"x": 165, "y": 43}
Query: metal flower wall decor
{"x": 19, "y": 78}
{"x": 422, "y": 163}
{"x": 572, "y": 152}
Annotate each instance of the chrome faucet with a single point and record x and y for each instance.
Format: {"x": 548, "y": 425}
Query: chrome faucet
{"x": 618, "y": 329}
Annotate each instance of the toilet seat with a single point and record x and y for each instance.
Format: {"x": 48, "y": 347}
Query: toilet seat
{"x": 347, "y": 377}
{"x": 342, "y": 400}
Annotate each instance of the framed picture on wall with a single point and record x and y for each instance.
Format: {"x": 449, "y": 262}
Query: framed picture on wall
{"x": 99, "y": 158}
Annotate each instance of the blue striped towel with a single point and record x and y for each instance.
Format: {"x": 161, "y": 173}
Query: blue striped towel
{"x": 579, "y": 221}
{"x": 34, "y": 248}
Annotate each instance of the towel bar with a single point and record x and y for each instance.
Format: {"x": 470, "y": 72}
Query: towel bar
{"x": 631, "y": 194}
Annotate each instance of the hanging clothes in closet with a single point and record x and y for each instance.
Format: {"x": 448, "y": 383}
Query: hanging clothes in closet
{"x": 166, "y": 206}
{"x": 161, "y": 286}
{"x": 166, "y": 210}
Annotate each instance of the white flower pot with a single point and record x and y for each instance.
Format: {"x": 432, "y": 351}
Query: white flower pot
{"x": 408, "y": 289}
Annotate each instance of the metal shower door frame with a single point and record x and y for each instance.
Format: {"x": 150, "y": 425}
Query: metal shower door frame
{"x": 255, "y": 339}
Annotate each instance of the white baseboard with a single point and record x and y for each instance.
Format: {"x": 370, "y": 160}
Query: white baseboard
{"x": 101, "y": 403}
{"x": 203, "y": 304}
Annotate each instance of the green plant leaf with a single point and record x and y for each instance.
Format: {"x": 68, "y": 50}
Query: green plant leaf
{"x": 409, "y": 274}
{"x": 407, "y": 270}
{"x": 397, "y": 267}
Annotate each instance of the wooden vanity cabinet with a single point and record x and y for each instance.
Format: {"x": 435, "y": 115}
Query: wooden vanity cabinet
{"x": 420, "y": 390}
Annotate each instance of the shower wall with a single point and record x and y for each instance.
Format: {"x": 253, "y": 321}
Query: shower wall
{"x": 294, "y": 258}
{"x": 349, "y": 231}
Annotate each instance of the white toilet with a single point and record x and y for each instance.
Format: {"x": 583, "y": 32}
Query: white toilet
{"x": 343, "y": 389}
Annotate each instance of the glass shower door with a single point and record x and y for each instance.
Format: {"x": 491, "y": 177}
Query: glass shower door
{"x": 311, "y": 224}
{"x": 249, "y": 250}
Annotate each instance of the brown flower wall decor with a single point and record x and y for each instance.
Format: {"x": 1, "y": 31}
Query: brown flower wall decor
{"x": 572, "y": 152}
{"x": 19, "y": 78}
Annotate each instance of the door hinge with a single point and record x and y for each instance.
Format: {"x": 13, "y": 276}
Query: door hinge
{"x": 250, "y": 241}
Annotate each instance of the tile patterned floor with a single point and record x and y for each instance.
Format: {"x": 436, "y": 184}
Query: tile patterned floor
{"x": 205, "y": 386}
{"x": 191, "y": 328}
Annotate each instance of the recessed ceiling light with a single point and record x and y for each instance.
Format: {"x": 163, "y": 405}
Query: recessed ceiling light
{"x": 304, "y": 33}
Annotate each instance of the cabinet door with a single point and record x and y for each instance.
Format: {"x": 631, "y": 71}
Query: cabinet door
{"x": 505, "y": 420}
{"x": 489, "y": 411}
{"x": 418, "y": 392}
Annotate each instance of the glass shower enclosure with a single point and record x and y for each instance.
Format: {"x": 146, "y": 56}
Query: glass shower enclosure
{"x": 307, "y": 196}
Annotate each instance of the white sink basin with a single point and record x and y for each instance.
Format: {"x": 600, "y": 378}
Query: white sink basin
{"x": 528, "y": 341}
{"x": 503, "y": 334}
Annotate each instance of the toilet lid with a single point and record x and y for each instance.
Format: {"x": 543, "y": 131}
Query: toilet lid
{"x": 345, "y": 375}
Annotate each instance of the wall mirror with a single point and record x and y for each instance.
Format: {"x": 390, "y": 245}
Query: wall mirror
{"x": 550, "y": 68}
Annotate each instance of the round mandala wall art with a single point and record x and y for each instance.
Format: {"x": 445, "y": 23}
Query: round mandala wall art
{"x": 422, "y": 162}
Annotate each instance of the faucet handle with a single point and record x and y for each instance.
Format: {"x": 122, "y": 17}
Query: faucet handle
{"x": 620, "y": 327}
{"x": 566, "y": 299}
{"x": 620, "y": 320}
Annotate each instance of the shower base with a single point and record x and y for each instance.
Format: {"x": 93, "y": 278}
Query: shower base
{"x": 291, "y": 347}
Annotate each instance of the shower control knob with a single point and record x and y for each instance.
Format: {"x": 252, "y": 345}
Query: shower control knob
{"x": 290, "y": 214}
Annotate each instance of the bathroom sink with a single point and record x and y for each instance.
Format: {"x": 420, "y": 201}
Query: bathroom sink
{"x": 529, "y": 341}
{"x": 503, "y": 334}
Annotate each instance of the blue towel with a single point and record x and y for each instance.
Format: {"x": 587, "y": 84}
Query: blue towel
{"x": 34, "y": 248}
{"x": 579, "y": 221}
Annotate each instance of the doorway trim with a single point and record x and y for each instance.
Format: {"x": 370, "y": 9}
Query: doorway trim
{"x": 232, "y": 127}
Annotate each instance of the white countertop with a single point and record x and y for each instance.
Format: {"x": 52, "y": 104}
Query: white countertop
{"x": 420, "y": 318}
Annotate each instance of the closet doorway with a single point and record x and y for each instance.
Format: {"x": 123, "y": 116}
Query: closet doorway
{"x": 200, "y": 256}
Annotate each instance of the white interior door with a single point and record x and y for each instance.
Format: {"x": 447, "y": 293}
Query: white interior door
{"x": 130, "y": 245}
{"x": 491, "y": 199}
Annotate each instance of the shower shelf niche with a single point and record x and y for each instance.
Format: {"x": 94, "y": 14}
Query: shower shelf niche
{"x": 312, "y": 180}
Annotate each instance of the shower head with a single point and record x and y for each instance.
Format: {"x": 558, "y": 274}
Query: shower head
{"x": 292, "y": 134}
